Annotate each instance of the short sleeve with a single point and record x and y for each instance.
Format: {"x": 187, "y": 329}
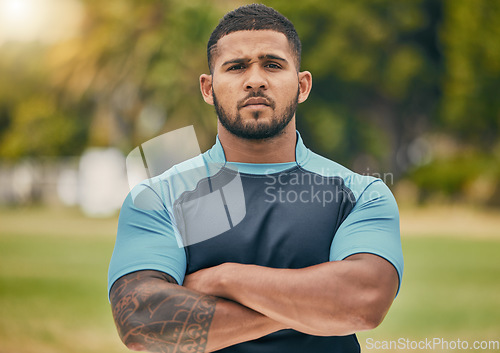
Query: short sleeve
{"x": 146, "y": 238}
{"x": 371, "y": 227}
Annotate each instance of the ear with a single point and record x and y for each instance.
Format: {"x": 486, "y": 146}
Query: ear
{"x": 206, "y": 88}
{"x": 305, "y": 85}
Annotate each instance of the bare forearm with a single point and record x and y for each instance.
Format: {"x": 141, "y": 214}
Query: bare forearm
{"x": 306, "y": 299}
{"x": 154, "y": 315}
{"x": 234, "y": 323}
{"x": 335, "y": 298}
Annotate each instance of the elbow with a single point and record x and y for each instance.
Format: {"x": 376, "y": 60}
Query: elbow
{"x": 138, "y": 333}
{"x": 363, "y": 316}
{"x": 350, "y": 324}
{"x": 362, "y": 321}
{"x": 135, "y": 346}
{"x": 132, "y": 334}
{"x": 373, "y": 313}
{"x": 371, "y": 320}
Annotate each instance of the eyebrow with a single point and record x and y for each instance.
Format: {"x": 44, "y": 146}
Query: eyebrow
{"x": 236, "y": 61}
{"x": 273, "y": 57}
{"x": 266, "y": 56}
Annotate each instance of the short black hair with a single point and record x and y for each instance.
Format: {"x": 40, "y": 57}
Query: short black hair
{"x": 250, "y": 18}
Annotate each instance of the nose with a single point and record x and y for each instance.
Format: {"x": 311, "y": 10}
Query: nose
{"x": 255, "y": 79}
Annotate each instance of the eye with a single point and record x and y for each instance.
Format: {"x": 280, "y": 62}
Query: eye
{"x": 273, "y": 66}
{"x": 236, "y": 67}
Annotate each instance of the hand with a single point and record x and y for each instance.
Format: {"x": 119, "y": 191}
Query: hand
{"x": 208, "y": 280}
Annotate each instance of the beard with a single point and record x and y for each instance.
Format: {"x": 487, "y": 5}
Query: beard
{"x": 256, "y": 130}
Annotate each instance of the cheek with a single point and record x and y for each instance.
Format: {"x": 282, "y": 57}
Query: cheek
{"x": 225, "y": 98}
{"x": 223, "y": 89}
{"x": 287, "y": 93}
{"x": 286, "y": 86}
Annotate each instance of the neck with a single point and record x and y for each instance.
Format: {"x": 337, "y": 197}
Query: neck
{"x": 278, "y": 149}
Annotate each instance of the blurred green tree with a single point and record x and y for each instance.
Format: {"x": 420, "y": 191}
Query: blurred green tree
{"x": 471, "y": 84}
{"x": 376, "y": 74}
{"x": 385, "y": 74}
{"x": 34, "y": 122}
{"x": 375, "y": 68}
{"x": 468, "y": 168}
{"x": 136, "y": 59}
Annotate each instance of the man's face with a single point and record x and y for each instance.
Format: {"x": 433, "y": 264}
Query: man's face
{"x": 255, "y": 84}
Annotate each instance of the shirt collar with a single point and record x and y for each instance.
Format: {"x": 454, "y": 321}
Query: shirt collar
{"x": 216, "y": 153}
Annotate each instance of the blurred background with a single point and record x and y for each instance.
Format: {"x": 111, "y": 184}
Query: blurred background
{"x": 404, "y": 90}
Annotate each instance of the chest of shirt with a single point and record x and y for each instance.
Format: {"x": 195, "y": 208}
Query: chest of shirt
{"x": 287, "y": 220}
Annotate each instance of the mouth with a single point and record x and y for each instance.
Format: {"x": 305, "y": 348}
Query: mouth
{"x": 256, "y": 102}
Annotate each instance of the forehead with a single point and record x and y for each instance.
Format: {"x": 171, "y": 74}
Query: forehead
{"x": 252, "y": 44}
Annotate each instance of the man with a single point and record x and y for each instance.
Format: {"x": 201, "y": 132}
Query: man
{"x": 316, "y": 254}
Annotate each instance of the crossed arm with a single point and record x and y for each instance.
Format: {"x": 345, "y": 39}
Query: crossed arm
{"x": 153, "y": 313}
{"x": 232, "y": 303}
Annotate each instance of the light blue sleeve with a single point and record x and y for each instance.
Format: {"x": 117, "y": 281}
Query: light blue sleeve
{"x": 146, "y": 238}
{"x": 371, "y": 227}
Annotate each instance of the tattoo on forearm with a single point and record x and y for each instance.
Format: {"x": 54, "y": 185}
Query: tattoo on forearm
{"x": 157, "y": 317}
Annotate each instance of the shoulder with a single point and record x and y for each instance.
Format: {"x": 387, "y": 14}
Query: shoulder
{"x": 184, "y": 176}
{"x": 193, "y": 163}
{"x": 355, "y": 182}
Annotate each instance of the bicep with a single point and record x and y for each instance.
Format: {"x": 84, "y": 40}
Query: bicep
{"x": 367, "y": 285}
{"x": 146, "y": 240}
{"x": 129, "y": 283}
{"x": 377, "y": 273}
{"x": 131, "y": 293}
{"x": 372, "y": 227}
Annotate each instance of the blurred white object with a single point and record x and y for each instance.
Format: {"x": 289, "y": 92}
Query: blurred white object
{"x": 23, "y": 181}
{"x": 67, "y": 187}
{"x": 102, "y": 183}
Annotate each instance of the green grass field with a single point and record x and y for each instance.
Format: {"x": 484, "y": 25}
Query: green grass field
{"x": 53, "y": 268}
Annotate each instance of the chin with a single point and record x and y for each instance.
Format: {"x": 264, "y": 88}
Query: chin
{"x": 256, "y": 115}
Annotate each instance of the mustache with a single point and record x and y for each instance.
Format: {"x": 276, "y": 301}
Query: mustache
{"x": 256, "y": 94}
